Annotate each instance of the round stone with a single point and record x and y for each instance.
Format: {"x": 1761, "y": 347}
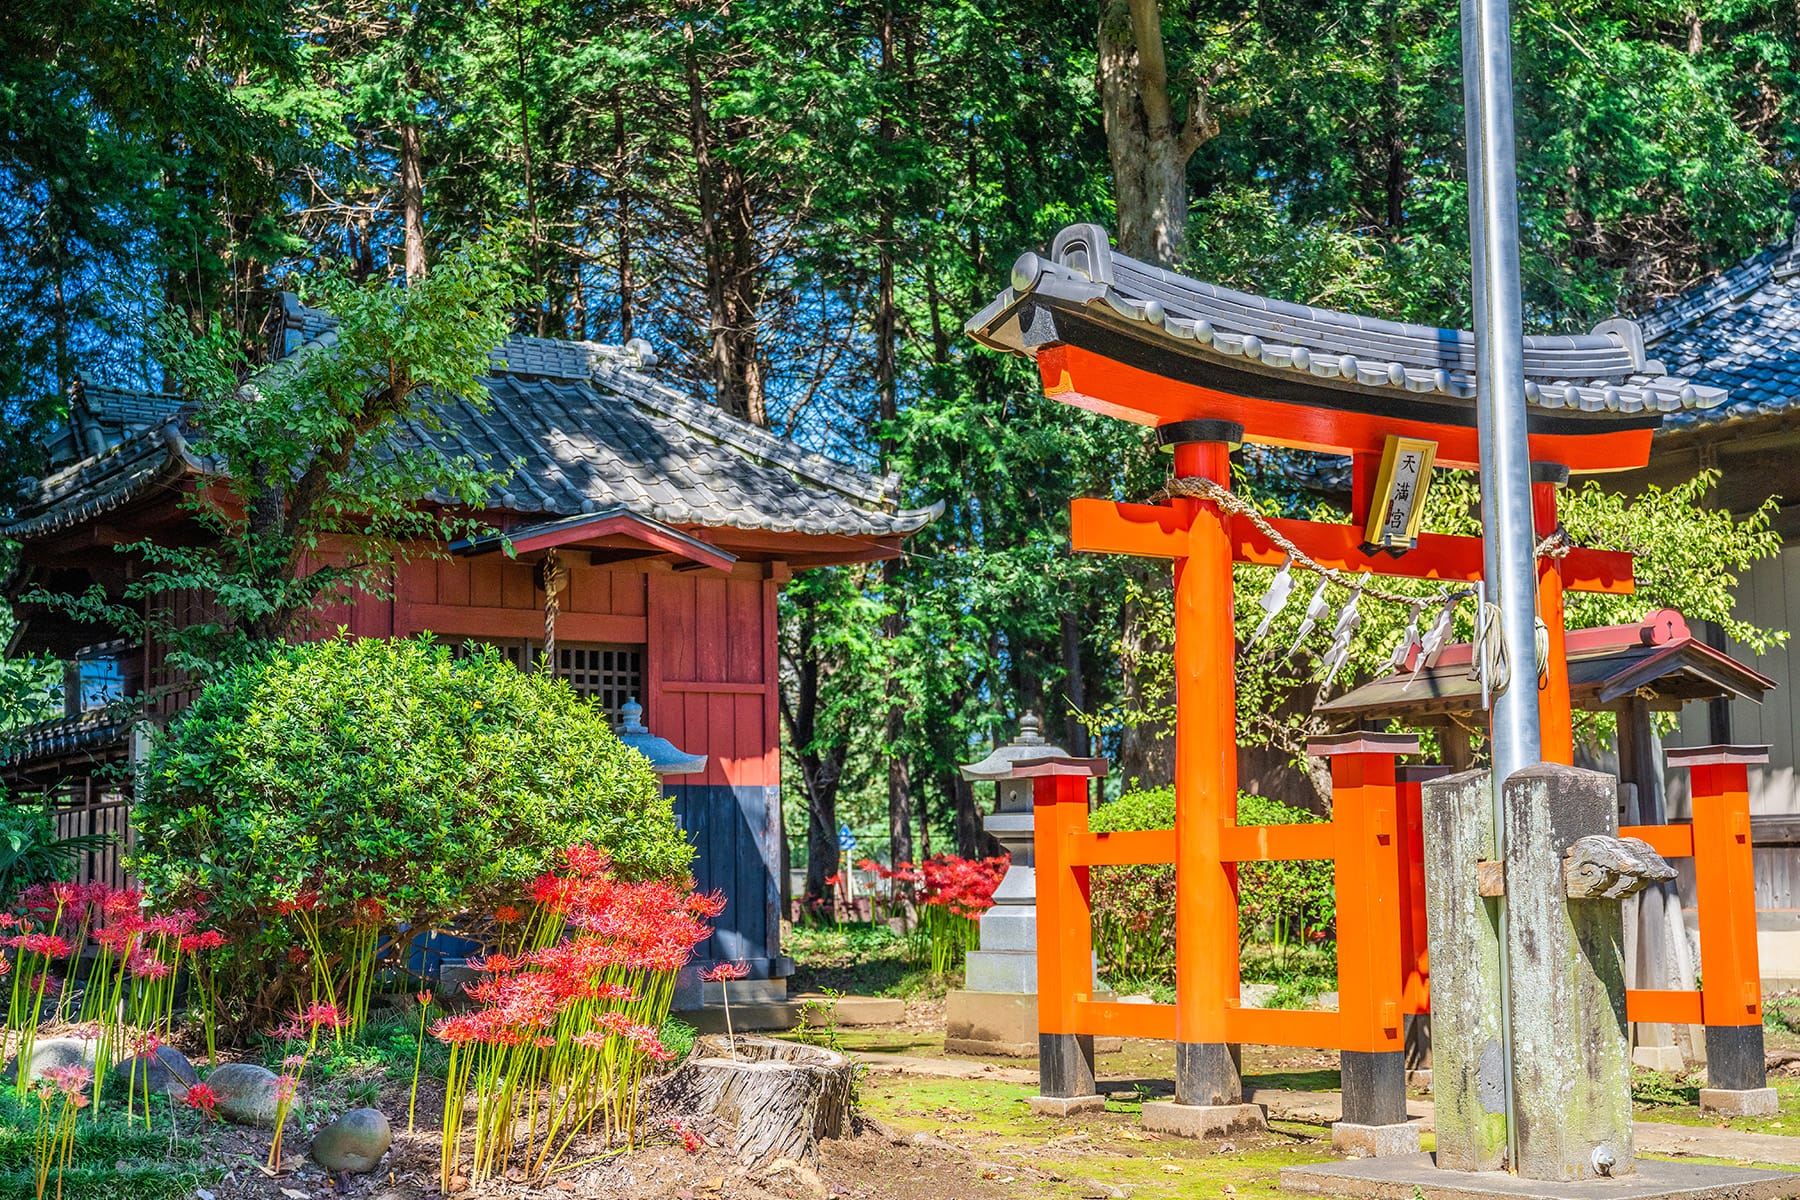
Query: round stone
{"x": 165, "y": 1073}
{"x": 246, "y": 1094}
{"x": 354, "y": 1142}
{"x": 53, "y": 1052}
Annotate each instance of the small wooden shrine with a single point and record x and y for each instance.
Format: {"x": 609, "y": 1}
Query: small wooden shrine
{"x": 1209, "y": 368}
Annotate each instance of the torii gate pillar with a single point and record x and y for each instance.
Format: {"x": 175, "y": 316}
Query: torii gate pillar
{"x": 1206, "y": 924}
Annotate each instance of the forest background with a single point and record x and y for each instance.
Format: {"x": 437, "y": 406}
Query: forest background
{"x": 798, "y": 203}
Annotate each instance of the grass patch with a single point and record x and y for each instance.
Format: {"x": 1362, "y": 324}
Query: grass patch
{"x": 382, "y": 1050}
{"x": 860, "y": 958}
{"x": 1297, "y": 1081}
{"x": 1675, "y": 1100}
{"x": 111, "y": 1160}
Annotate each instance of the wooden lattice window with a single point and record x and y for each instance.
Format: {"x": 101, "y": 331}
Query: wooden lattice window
{"x": 610, "y": 674}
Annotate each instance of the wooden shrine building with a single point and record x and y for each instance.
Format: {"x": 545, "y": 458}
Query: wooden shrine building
{"x": 677, "y": 524}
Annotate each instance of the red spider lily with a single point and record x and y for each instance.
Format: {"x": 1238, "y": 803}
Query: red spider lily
{"x": 587, "y": 861}
{"x": 210, "y": 939}
{"x": 203, "y": 1098}
{"x": 834, "y": 881}
{"x": 44, "y": 944}
{"x": 506, "y": 914}
{"x": 965, "y": 886}
{"x": 707, "y": 905}
{"x": 726, "y": 972}
{"x": 370, "y": 911}
{"x": 146, "y": 965}
{"x": 302, "y": 902}
{"x": 690, "y": 1141}
{"x": 285, "y": 1087}
{"x": 69, "y": 1080}
{"x": 578, "y": 998}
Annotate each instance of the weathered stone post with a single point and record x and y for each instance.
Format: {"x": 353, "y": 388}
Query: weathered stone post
{"x": 1566, "y": 936}
{"x": 1468, "y": 1067}
{"x": 1565, "y": 872}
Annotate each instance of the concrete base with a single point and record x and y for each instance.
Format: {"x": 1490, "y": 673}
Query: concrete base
{"x": 853, "y": 1011}
{"x": 746, "y": 991}
{"x": 1000, "y": 1024}
{"x": 1204, "y": 1120}
{"x": 1415, "y": 1178}
{"x": 745, "y": 1018}
{"x": 1659, "y": 1058}
{"x": 1746, "y": 1102}
{"x": 1065, "y": 1106}
{"x": 1374, "y": 1141}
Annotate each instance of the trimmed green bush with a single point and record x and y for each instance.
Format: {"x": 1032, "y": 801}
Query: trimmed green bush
{"x": 388, "y": 770}
{"x": 1134, "y": 906}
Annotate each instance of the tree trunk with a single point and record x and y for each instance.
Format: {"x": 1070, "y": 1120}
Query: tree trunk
{"x": 1075, "y": 735}
{"x": 887, "y": 391}
{"x": 627, "y": 295}
{"x": 760, "y": 1099}
{"x": 961, "y": 794}
{"x": 412, "y": 198}
{"x": 1148, "y": 144}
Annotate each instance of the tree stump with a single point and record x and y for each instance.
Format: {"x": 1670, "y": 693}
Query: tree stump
{"x": 773, "y": 1100}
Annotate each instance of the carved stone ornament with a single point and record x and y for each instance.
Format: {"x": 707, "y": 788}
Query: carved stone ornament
{"x": 1602, "y": 867}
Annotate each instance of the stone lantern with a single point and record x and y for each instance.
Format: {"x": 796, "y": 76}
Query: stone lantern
{"x": 996, "y": 1010}
{"x": 666, "y": 758}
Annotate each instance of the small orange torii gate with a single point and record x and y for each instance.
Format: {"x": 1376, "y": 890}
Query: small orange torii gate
{"x": 1208, "y": 368}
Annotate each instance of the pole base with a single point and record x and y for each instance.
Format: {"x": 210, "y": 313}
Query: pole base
{"x": 1739, "y": 1102}
{"x": 1204, "y": 1120}
{"x": 1065, "y": 1106}
{"x": 1374, "y": 1141}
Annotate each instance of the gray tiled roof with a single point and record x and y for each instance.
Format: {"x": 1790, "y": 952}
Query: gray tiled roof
{"x": 588, "y": 427}
{"x": 1085, "y": 280}
{"x": 1739, "y": 331}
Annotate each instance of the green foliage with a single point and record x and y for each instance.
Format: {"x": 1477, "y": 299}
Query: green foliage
{"x": 1299, "y": 972}
{"x": 1134, "y": 906}
{"x": 325, "y": 459}
{"x": 1663, "y": 1089}
{"x": 386, "y": 769}
{"x": 382, "y": 1049}
{"x": 111, "y": 1157}
{"x": 30, "y": 851}
{"x": 677, "y": 1036}
{"x": 1687, "y": 557}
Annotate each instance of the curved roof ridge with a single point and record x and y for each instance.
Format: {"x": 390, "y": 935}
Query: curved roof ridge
{"x": 1083, "y": 277}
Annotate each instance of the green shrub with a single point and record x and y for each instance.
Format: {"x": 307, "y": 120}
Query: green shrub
{"x": 30, "y": 851}
{"x": 1134, "y": 906}
{"x": 386, "y": 769}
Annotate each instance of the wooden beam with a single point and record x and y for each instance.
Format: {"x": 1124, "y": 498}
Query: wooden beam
{"x": 1143, "y": 530}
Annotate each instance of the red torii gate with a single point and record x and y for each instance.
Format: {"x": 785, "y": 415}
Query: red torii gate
{"x": 1209, "y": 367}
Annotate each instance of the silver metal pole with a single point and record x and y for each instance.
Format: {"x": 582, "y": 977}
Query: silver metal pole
{"x": 1508, "y": 561}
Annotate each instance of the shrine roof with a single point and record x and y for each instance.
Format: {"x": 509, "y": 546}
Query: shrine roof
{"x": 1659, "y": 659}
{"x": 1086, "y": 294}
{"x": 1739, "y": 330}
{"x": 590, "y": 426}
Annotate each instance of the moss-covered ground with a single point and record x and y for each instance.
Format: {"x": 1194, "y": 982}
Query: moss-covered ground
{"x": 990, "y": 1121}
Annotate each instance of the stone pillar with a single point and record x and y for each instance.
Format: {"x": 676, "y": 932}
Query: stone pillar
{"x": 1468, "y": 1068}
{"x": 1571, "y": 1054}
